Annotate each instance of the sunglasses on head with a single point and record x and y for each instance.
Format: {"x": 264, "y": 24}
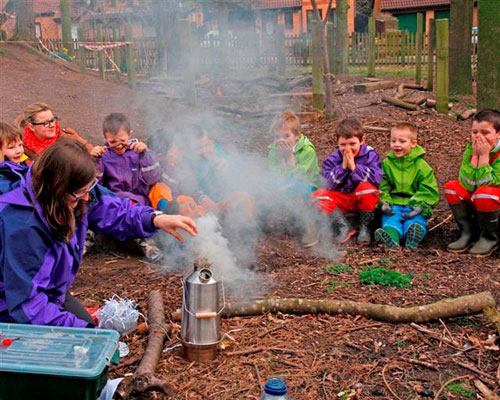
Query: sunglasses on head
{"x": 46, "y": 124}
{"x": 82, "y": 195}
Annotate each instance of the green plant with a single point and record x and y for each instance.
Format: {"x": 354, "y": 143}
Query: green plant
{"x": 470, "y": 106}
{"x": 332, "y": 285}
{"x": 385, "y": 277}
{"x": 385, "y": 261}
{"x": 459, "y": 389}
{"x": 401, "y": 343}
{"x": 336, "y": 269}
{"x": 453, "y": 99}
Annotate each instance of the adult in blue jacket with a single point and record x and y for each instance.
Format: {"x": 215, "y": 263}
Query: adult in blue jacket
{"x": 42, "y": 232}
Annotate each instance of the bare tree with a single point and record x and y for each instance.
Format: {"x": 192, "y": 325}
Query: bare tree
{"x": 25, "y": 20}
{"x": 329, "y": 111}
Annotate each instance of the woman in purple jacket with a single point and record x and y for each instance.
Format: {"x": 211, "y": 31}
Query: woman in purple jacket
{"x": 42, "y": 232}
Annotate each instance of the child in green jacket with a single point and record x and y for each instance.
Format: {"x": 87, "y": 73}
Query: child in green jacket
{"x": 408, "y": 191}
{"x": 293, "y": 157}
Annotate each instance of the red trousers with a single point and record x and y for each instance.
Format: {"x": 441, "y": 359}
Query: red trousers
{"x": 484, "y": 199}
{"x": 364, "y": 198}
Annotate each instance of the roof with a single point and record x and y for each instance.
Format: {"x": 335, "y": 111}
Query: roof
{"x": 386, "y": 5}
{"x": 267, "y": 4}
{"x": 46, "y": 6}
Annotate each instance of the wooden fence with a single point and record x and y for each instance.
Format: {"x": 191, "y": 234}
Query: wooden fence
{"x": 392, "y": 49}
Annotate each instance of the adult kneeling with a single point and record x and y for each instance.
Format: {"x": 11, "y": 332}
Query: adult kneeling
{"x": 42, "y": 232}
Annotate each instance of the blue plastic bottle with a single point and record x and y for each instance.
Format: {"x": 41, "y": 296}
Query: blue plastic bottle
{"x": 275, "y": 389}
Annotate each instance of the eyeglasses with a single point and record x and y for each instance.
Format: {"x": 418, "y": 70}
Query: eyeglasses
{"x": 82, "y": 195}
{"x": 46, "y": 124}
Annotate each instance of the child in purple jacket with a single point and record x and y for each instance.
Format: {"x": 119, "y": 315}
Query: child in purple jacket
{"x": 130, "y": 170}
{"x": 352, "y": 174}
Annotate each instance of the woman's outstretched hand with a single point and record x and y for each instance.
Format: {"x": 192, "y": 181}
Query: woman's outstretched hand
{"x": 170, "y": 224}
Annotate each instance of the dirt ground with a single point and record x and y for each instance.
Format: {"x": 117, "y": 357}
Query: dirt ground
{"x": 321, "y": 357}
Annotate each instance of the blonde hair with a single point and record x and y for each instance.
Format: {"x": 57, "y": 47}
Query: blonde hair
{"x": 28, "y": 115}
{"x": 287, "y": 119}
{"x": 8, "y": 134}
{"x": 406, "y": 126}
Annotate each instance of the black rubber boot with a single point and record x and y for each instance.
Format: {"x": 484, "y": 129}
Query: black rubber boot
{"x": 342, "y": 229}
{"x": 464, "y": 222}
{"x": 488, "y": 239}
{"x": 364, "y": 235}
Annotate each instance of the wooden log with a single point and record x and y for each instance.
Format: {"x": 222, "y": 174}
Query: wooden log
{"x": 400, "y": 103}
{"x": 430, "y": 103}
{"x": 144, "y": 379}
{"x": 442, "y": 75}
{"x": 467, "y": 114}
{"x": 367, "y": 87}
{"x": 447, "y": 308}
{"x": 415, "y": 98}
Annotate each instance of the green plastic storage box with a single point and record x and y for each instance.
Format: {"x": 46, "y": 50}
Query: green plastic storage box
{"x": 56, "y": 363}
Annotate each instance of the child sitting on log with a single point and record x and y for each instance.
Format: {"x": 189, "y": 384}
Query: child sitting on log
{"x": 128, "y": 168}
{"x": 474, "y": 198}
{"x": 408, "y": 190}
{"x": 293, "y": 157}
{"x": 352, "y": 174}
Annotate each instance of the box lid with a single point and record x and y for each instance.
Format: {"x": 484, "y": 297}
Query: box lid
{"x": 51, "y": 350}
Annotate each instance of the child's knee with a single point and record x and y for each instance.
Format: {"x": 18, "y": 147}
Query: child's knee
{"x": 486, "y": 199}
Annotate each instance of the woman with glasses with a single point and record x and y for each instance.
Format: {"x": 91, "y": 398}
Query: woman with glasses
{"x": 41, "y": 129}
{"x": 42, "y": 232}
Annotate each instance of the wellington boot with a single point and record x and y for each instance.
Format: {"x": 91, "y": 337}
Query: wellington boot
{"x": 342, "y": 229}
{"x": 488, "y": 239}
{"x": 150, "y": 251}
{"x": 310, "y": 237}
{"x": 463, "y": 219}
{"x": 364, "y": 235}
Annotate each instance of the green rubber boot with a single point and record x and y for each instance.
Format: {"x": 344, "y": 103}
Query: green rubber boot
{"x": 488, "y": 239}
{"x": 463, "y": 220}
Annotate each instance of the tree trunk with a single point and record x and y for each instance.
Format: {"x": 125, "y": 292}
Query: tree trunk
{"x": 442, "y": 71}
{"x": 342, "y": 38}
{"x": 65, "y": 6}
{"x": 317, "y": 67}
{"x": 418, "y": 61}
{"x": 488, "y": 74}
{"x": 25, "y": 20}
{"x": 143, "y": 379}
{"x": 460, "y": 46}
{"x": 448, "y": 308}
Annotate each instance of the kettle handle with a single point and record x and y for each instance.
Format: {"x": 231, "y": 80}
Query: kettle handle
{"x": 184, "y": 302}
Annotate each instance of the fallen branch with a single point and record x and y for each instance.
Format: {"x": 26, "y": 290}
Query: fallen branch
{"x": 447, "y": 308}
{"x": 376, "y": 128}
{"x": 418, "y": 362}
{"x": 387, "y": 383}
{"x": 143, "y": 379}
{"x": 467, "y": 114}
{"x": 485, "y": 391}
{"x": 487, "y": 377}
{"x": 441, "y": 223}
{"x": 436, "y": 397}
{"x": 367, "y": 87}
{"x": 403, "y": 104}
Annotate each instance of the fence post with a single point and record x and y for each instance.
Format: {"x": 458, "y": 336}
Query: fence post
{"x": 330, "y": 44}
{"x": 130, "y": 56}
{"x": 404, "y": 50}
{"x": 281, "y": 50}
{"x": 418, "y": 61}
{"x": 442, "y": 77}
{"x": 100, "y": 56}
{"x": 81, "y": 50}
{"x": 304, "y": 49}
{"x": 317, "y": 68}
{"x": 431, "y": 46}
{"x": 116, "y": 51}
{"x": 371, "y": 46}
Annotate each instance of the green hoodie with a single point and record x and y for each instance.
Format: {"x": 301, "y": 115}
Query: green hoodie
{"x": 472, "y": 177}
{"x": 409, "y": 180}
{"x": 306, "y": 162}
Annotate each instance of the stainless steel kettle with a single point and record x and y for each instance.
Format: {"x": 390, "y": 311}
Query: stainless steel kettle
{"x": 201, "y": 308}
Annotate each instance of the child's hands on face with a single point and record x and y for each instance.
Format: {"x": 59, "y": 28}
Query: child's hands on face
{"x": 139, "y": 147}
{"x": 98, "y": 151}
{"x": 348, "y": 159}
{"x": 480, "y": 146}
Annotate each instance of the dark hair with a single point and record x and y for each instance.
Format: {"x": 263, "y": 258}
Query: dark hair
{"x": 114, "y": 122}
{"x": 8, "y": 134}
{"x": 160, "y": 141}
{"x": 490, "y": 115}
{"x": 64, "y": 167}
{"x": 406, "y": 126}
{"x": 350, "y": 127}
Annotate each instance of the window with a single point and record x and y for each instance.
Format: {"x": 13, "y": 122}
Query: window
{"x": 38, "y": 30}
{"x": 289, "y": 19}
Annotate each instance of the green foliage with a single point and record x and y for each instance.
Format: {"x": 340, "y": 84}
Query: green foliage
{"x": 385, "y": 277}
{"x": 454, "y": 100}
{"x": 470, "y": 106}
{"x": 459, "y": 389}
{"x": 336, "y": 269}
{"x": 401, "y": 343}
{"x": 334, "y": 284}
{"x": 385, "y": 261}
